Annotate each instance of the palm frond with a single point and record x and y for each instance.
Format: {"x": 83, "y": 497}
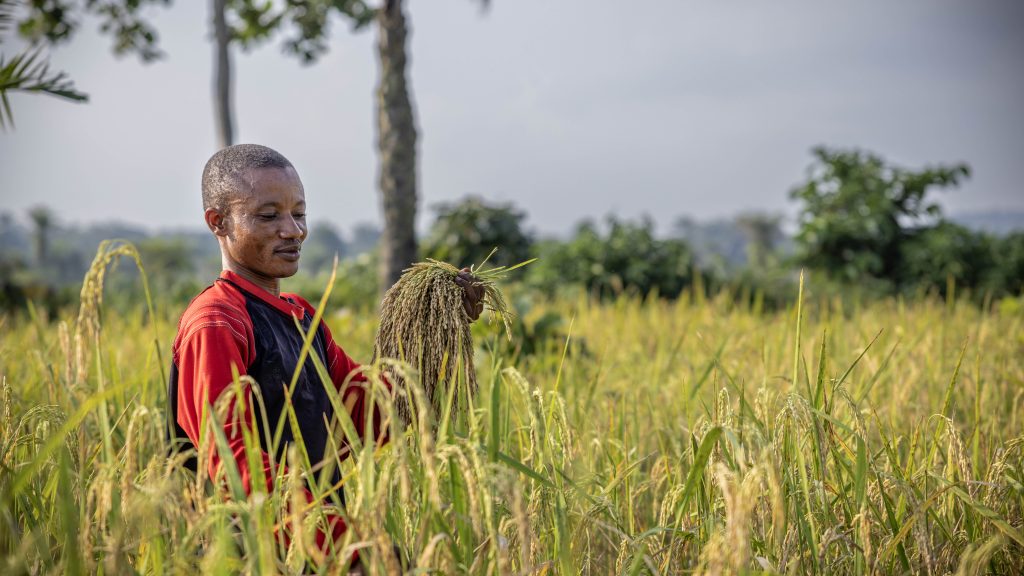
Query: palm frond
{"x": 6, "y": 15}
{"x": 29, "y": 71}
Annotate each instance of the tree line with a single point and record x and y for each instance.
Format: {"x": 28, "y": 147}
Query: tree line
{"x": 865, "y": 227}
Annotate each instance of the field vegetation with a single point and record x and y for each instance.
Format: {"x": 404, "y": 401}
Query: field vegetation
{"x": 666, "y": 401}
{"x": 707, "y": 434}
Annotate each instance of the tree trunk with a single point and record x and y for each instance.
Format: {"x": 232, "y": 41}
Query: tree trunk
{"x": 41, "y": 219}
{"x": 41, "y": 244}
{"x": 222, "y": 77}
{"x": 396, "y": 142}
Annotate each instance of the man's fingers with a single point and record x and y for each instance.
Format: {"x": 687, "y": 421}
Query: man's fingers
{"x": 471, "y": 310}
{"x": 472, "y": 293}
{"x": 474, "y": 306}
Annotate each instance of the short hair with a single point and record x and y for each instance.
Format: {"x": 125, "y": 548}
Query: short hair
{"x": 225, "y": 168}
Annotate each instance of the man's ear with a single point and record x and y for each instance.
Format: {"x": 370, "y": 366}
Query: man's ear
{"x": 217, "y": 221}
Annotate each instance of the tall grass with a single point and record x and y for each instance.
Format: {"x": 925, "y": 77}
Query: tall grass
{"x": 660, "y": 438}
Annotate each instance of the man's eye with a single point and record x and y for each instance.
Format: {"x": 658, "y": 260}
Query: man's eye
{"x": 299, "y": 216}
{"x": 267, "y": 216}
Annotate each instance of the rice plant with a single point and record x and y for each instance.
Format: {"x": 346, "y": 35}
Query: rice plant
{"x": 423, "y": 322}
{"x": 693, "y": 436}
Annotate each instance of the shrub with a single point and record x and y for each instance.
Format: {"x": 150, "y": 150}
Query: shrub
{"x": 627, "y": 258}
{"x": 464, "y": 233}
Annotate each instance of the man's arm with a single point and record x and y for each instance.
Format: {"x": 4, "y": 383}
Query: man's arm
{"x": 355, "y": 391}
{"x": 212, "y": 343}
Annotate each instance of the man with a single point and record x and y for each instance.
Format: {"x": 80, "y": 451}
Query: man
{"x": 255, "y": 205}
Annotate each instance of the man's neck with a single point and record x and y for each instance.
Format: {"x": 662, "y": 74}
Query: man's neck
{"x": 272, "y": 285}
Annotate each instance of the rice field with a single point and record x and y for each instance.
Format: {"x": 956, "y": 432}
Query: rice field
{"x": 642, "y": 437}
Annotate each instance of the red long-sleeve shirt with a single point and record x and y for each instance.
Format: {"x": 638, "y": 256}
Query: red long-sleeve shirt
{"x": 236, "y": 325}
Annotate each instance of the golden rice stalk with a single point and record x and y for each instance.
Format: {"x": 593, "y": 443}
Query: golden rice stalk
{"x": 423, "y": 323}
{"x": 87, "y": 328}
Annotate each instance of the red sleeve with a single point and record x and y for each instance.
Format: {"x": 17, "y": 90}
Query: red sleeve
{"x": 210, "y": 343}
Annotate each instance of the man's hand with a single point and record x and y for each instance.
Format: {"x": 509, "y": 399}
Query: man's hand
{"x": 472, "y": 294}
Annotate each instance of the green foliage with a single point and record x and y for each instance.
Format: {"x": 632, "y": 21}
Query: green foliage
{"x": 355, "y": 285}
{"x": 310, "y": 19}
{"x": 537, "y": 331}
{"x": 308, "y": 22}
{"x": 55, "y": 22}
{"x": 171, "y": 267}
{"x": 255, "y": 21}
{"x": 320, "y": 248}
{"x": 50, "y": 20}
{"x": 858, "y": 213}
{"x": 935, "y": 254}
{"x": 21, "y": 285}
{"x": 166, "y": 259}
{"x": 466, "y": 232}
{"x": 627, "y": 258}
{"x": 29, "y": 72}
{"x": 1007, "y": 277}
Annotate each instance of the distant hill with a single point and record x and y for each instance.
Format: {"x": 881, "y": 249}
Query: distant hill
{"x": 725, "y": 240}
{"x": 993, "y": 222}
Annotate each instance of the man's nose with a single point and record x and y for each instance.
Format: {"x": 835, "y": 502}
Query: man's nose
{"x": 293, "y": 228}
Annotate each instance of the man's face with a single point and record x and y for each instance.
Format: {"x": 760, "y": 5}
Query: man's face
{"x": 265, "y": 224}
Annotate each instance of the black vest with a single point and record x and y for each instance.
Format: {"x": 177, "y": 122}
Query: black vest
{"x": 278, "y": 344}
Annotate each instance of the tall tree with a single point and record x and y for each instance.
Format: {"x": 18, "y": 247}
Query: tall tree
{"x": 396, "y": 144}
{"x": 223, "y": 103}
{"x": 42, "y": 221}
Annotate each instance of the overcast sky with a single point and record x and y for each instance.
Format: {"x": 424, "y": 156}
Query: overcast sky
{"x": 569, "y": 109}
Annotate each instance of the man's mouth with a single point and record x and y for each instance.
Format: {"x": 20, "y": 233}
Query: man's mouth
{"x": 289, "y": 252}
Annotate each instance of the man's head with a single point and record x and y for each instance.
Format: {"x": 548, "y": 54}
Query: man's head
{"x": 255, "y": 204}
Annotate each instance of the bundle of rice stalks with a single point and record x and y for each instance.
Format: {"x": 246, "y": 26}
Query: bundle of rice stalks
{"x": 423, "y": 322}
